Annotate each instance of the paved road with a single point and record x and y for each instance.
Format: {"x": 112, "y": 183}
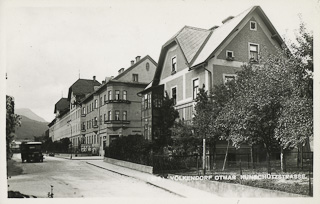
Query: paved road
{"x": 76, "y": 178}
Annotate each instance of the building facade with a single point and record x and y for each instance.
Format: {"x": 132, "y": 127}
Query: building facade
{"x": 196, "y": 57}
{"x": 99, "y": 113}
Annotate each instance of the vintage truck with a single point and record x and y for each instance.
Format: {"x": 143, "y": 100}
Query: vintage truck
{"x": 31, "y": 151}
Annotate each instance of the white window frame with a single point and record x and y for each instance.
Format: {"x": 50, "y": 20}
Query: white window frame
{"x": 255, "y": 29}
{"x": 171, "y": 62}
{"x": 226, "y": 75}
{"x": 250, "y": 43}
{"x": 229, "y": 51}
{"x": 137, "y": 77}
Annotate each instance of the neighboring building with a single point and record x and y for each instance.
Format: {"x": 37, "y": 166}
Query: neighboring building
{"x": 67, "y": 110}
{"x": 195, "y": 57}
{"x": 94, "y": 114}
{"x": 114, "y": 109}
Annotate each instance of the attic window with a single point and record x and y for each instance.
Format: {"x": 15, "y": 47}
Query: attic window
{"x": 253, "y": 52}
{"x": 147, "y": 66}
{"x": 135, "y": 77}
{"x": 229, "y": 55}
{"x": 253, "y": 25}
{"x": 173, "y": 65}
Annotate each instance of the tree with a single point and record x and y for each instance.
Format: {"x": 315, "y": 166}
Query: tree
{"x": 167, "y": 117}
{"x": 295, "y": 125}
{"x": 185, "y": 142}
{"x": 12, "y": 121}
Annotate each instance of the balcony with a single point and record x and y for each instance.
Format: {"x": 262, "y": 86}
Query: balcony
{"x": 116, "y": 122}
{"x": 83, "y": 129}
{"x": 117, "y": 101}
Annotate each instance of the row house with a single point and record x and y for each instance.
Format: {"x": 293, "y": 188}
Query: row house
{"x": 111, "y": 109}
{"x": 195, "y": 57}
{"x": 67, "y": 110}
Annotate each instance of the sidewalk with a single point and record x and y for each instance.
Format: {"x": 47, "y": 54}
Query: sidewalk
{"x": 174, "y": 187}
{"x": 68, "y": 156}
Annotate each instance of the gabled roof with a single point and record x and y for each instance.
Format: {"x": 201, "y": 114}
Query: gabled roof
{"x": 134, "y": 65}
{"x": 61, "y": 105}
{"x": 199, "y": 45}
{"x": 82, "y": 87}
{"x": 190, "y": 40}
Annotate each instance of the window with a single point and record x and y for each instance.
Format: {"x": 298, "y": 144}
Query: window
{"x": 100, "y": 101}
{"x": 105, "y": 117}
{"x": 254, "y": 50}
{"x": 135, "y": 77}
{"x": 229, "y": 55}
{"x": 253, "y": 25}
{"x": 124, "y": 96}
{"x": 174, "y": 65}
{"x": 84, "y": 110}
{"x": 124, "y": 115}
{"x": 96, "y": 103}
{"x": 147, "y": 66}
{"x": 100, "y": 119}
{"x": 195, "y": 85}
{"x": 109, "y": 95}
{"x": 117, "y": 115}
{"x": 109, "y": 115}
{"x": 117, "y": 95}
{"x": 149, "y": 100}
{"x": 228, "y": 77}
{"x": 174, "y": 95}
{"x": 105, "y": 98}
{"x": 83, "y": 126}
{"x": 95, "y": 121}
{"x": 146, "y": 101}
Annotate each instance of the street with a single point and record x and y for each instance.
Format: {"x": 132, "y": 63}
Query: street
{"x": 76, "y": 178}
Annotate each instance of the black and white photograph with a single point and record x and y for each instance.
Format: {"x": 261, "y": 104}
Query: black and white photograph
{"x": 178, "y": 101}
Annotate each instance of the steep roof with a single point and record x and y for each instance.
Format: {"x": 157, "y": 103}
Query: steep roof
{"x": 190, "y": 39}
{"x": 61, "y": 105}
{"x": 219, "y": 35}
{"x": 199, "y": 45}
{"x": 82, "y": 87}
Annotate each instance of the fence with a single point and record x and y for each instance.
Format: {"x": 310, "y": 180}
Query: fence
{"x": 293, "y": 161}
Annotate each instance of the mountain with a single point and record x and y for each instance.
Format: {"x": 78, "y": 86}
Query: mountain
{"x": 28, "y": 113}
{"x": 30, "y": 128}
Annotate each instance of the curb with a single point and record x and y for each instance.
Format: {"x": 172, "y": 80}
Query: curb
{"x": 147, "y": 182}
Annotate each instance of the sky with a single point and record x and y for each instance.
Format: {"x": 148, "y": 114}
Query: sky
{"x": 48, "y": 44}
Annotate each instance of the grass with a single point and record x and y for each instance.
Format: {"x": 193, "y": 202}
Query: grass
{"x": 13, "y": 169}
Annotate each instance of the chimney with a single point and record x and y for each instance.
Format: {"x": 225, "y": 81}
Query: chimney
{"x": 132, "y": 62}
{"x": 121, "y": 70}
{"x": 137, "y": 58}
{"x": 103, "y": 82}
{"x": 94, "y": 78}
{"x": 227, "y": 19}
{"x": 214, "y": 27}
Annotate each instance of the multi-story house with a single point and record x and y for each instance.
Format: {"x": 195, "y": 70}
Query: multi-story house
{"x": 68, "y": 111}
{"x": 58, "y": 127}
{"x": 114, "y": 108}
{"x": 195, "y": 57}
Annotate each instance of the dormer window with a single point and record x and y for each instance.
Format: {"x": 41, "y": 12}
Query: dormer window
{"x": 173, "y": 65}
{"x": 253, "y": 25}
{"x": 229, "y": 55}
